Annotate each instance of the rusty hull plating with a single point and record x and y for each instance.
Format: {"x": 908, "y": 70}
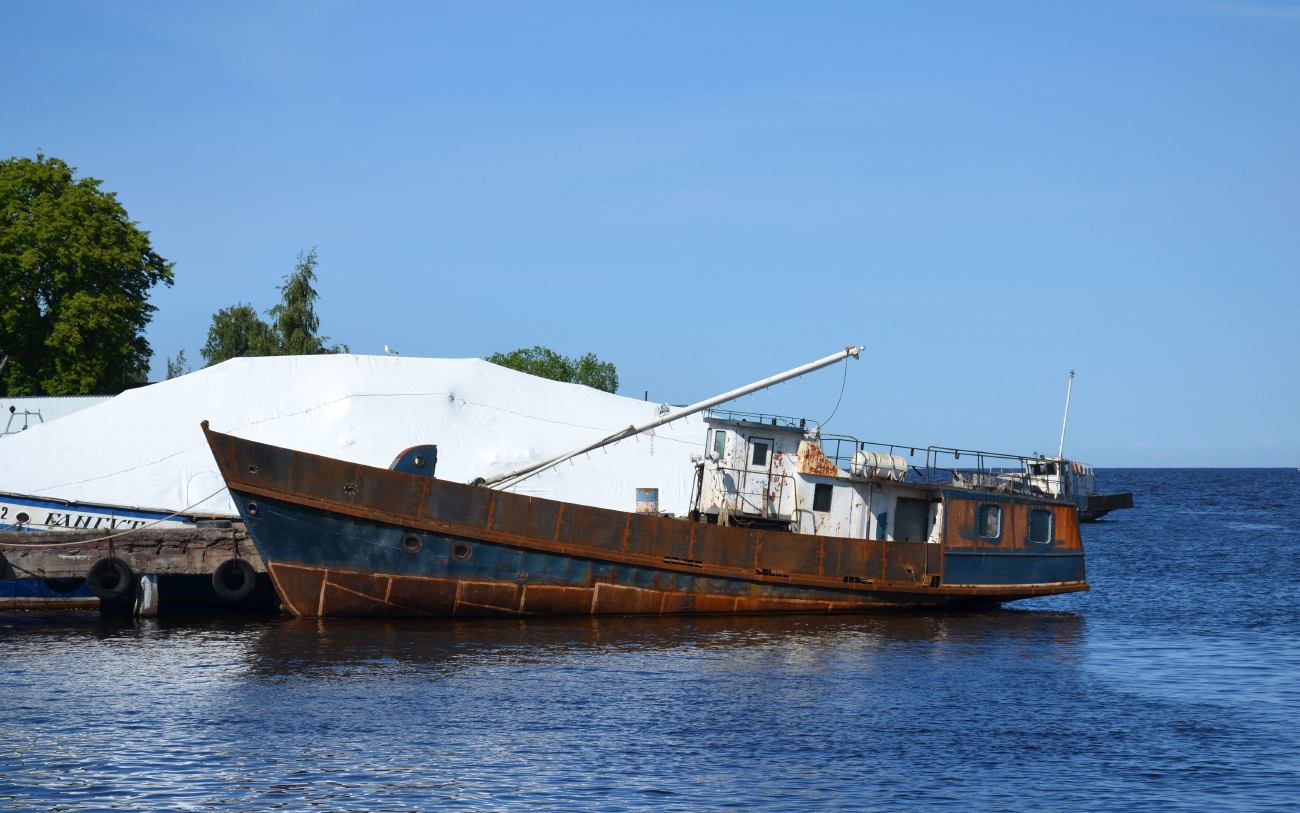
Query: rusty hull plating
{"x": 342, "y": 539}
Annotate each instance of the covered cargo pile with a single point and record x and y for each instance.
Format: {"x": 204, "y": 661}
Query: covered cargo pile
{"x": 144, "y": 448}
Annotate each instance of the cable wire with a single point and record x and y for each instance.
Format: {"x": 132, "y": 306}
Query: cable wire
{"x": 841, "y": 398}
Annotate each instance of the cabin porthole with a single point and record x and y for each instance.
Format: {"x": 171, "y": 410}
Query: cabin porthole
{"x": 411, "y": 543}
{"x": 418, "y": 461}
{"x": 252, "y": 509}
{"x": 460, "y": 551}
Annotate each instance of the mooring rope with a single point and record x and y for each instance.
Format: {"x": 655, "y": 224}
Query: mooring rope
{"x": 111, "y": 536}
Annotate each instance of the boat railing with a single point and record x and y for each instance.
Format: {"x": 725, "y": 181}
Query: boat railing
{"x": 754, "y": 493}
{"x": 967, "y": 468}
{"x": 991, "y": 471}
{"x": 764, "y": 418}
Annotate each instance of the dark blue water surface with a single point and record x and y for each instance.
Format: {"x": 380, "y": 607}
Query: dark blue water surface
{"x": 1173, "y": 685}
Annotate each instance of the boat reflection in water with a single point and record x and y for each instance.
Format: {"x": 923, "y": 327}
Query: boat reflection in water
{"x": 356, "y": 647}
{"x": 776, "y": 526}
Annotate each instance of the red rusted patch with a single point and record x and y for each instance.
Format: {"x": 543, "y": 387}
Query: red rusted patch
{"x": 487, "y": 598}
{"x": 612, "y": 599}
{"x": 299, "y": 587}
{"x": 368, "y": 585}
{"x": 432, "y": 596}
{"x": 812, "y": 460}
{"x": 553, "y": 600}
{"x": 344, "y": 603}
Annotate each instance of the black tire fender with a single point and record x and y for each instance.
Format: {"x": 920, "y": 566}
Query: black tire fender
{"x": 234, "y": 579}
{"x": 64, "y": 586}
{"x": 110, "y": 578}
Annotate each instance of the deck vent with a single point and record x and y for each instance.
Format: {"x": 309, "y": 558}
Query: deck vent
{"x": 677, "y": 560}
{"x": 767, "y": 571}
{"x": 857, "y": 580}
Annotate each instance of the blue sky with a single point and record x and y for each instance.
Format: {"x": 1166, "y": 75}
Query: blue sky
{"x": 987, "y": 195}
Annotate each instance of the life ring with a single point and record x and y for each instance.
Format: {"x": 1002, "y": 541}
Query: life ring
{"x": 64, "y": 586}
{"x": 234, "y": 579}
{"x": 110, "y": 578}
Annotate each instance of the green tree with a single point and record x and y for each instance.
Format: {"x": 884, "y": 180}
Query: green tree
{"x": 76, "y": 273}
{"x": 295, "y": 317}
{"x": 546, "y": 363}
{"x": 179, "y": 367}
{"x": 238, "y": 332}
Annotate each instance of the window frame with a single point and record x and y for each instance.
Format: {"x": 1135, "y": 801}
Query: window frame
{"x": 818, "y": 490}
{"x": 720, "y": 443}
{"x": 1051, "y": 526}
{"x": 981, "y": 520}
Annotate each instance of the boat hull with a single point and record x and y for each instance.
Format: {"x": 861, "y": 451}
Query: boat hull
{"x": 1099, "y": 505}
{"x": 340, "y": 539}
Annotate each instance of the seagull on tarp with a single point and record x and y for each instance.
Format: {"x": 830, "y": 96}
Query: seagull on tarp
{"x": 391, "y": 351}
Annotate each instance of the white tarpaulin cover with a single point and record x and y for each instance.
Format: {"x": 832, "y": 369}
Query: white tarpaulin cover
{"x": 145, "y": 449}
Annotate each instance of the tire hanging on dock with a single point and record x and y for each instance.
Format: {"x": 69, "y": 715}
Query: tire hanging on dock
{"x": 234, "y": 579}
{"x": 110, "y": 578}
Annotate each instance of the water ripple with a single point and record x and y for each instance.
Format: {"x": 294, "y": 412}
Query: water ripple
{"x": 1173, "y": 685}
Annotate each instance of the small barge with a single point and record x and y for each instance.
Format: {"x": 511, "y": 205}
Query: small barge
{"x": 783, "y": 519}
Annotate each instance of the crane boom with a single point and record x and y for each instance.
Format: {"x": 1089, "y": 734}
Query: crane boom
{"x": 666, "y": 415}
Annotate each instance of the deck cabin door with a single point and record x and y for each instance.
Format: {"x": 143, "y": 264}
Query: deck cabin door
{"x": 755, "y": 493}
{"x": 911, "y": 535}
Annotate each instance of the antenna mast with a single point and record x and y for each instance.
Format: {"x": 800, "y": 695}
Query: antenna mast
{"x": 1060, "y": 451}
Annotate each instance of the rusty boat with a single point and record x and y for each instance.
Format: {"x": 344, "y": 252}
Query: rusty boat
{"x": 783, "y": 519}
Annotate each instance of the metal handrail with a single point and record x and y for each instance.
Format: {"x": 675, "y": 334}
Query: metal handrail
{"x": 734, "y": 495}
{"x": 840, "y": 448}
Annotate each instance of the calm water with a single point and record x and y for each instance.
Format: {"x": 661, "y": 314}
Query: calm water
{"x": 1173, "y": 685}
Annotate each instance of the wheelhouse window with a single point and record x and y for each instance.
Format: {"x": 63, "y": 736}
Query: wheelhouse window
{"x": 1041, "y": 529}
{"x": 822, "y": 493}
{"x": 988, "y": 521}
{"x": 720, "y": 443}
{"x": 759, "y": 457}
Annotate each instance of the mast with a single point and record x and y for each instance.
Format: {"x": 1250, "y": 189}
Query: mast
{"x": 1060, "y": 451}
{"x": 666, "y": 415}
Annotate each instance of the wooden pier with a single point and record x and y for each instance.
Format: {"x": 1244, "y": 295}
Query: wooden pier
{"x": 170, "y": 569}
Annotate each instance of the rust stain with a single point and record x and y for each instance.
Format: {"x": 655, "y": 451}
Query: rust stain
{"x": 812, "y": 460}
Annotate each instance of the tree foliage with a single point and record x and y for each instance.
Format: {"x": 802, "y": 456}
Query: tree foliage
{"x": 76, "y": 273}
{"x": 237, "y": 331}
{"x": 540, "y": 361}
{"x": 179, "y": 367}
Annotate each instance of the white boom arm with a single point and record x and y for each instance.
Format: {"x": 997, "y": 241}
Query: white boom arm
{"x": 515, "y": 476}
